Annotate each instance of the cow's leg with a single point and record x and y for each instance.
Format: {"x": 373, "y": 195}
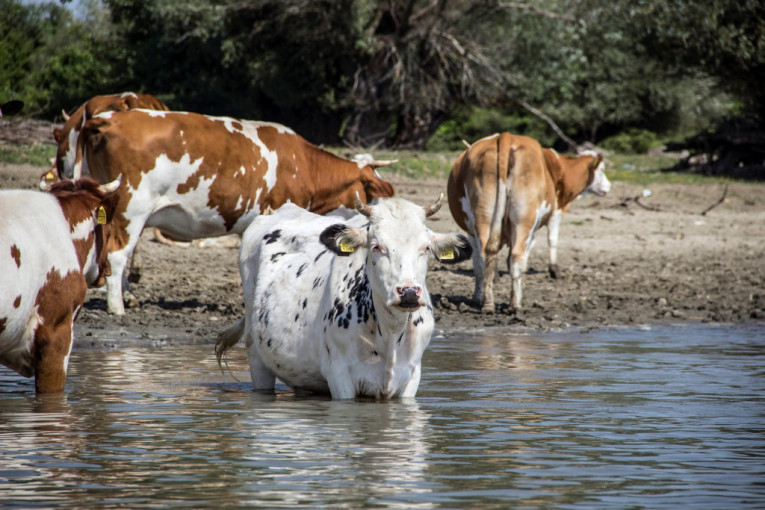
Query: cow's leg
{"x": 553, "y": 229}
{"x": 134, "y": 266}
{"x": 261, "y": 375}
{"x": 488, "y": 280}
{"x": 410, "y": 390}
{"x": 478, "y": 268}
{"x": 521, "y": 239}
{"x": 53, "y": 344}
{"x": 339, "y": 381}
{"x": 118, "y": 259}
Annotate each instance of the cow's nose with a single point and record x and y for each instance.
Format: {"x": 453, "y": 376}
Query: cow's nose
{"x": 409, "y": 295}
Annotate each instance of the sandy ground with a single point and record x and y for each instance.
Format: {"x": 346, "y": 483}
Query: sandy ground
{"x": 622, "y": 265}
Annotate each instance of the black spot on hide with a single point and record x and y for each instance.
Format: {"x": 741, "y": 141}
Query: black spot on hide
{"x": 271, "y": 237}
{"x": 276, "y": 256}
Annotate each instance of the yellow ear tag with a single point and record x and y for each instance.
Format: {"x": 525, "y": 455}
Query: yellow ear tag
{"x": 346, "y": 247}
{"x": 49, "y": 176}
{"x": 447, "y": 254}
{"x": 101, "y": 215}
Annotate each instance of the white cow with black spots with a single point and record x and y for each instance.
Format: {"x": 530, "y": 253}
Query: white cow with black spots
{"x": 340, "y": 306}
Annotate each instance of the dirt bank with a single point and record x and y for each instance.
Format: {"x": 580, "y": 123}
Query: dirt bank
{"x": 622, "y": 265}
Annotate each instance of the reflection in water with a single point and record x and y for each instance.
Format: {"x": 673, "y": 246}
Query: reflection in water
{"x": 663, "y": 418}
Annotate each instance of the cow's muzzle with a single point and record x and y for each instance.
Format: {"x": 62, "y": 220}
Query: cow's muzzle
{"x": 409, "y": 296}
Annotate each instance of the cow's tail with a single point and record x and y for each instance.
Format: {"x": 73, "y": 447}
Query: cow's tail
{"x": 505, "y": 160}
{"x": 228, "y": 339}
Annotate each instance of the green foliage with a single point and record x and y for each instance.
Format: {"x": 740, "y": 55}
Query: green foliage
{"x": 475, "y": 123}
{"x": 394, "y": 73}
{"x": 631, "y": 141}
{"x": 35, "y": 154}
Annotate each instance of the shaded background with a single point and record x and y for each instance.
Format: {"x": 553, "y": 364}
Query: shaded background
{"x": 624, "y": 74}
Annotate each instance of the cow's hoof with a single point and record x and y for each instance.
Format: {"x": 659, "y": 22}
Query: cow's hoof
{"x": 130, "y": 300}
{"x": 487, "y": 308}
{"x": 554, "y": 271}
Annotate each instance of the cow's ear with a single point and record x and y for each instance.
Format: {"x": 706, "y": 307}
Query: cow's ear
{"x": 342, "y": 239}
{"x": 451, "y": 248}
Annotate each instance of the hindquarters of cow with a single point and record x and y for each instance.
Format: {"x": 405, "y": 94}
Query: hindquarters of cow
{"x": 477, "y": 190}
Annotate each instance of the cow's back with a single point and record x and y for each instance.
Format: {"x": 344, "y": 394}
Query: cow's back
{"x": 67, "y": 137}
{"x": 35, "y": 246}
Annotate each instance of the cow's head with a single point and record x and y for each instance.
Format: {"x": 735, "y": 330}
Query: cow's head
{"x": 90, "y": 204}
{"x": 397, "y": 243}
{"x": 597, "y": 183}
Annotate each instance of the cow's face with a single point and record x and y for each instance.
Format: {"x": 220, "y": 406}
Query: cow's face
{"x": 598, "y": 182}
{"x": 397, "y": 244}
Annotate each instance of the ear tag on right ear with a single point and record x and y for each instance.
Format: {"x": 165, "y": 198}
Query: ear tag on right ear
{"x": 346, "y": 247}
{"x": 101, "y": 215}
{"x": 447, "y": 254}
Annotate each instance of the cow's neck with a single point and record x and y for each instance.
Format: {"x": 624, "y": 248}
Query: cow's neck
{"x": 394, "y": 331}
{"x": 569, "y": 181}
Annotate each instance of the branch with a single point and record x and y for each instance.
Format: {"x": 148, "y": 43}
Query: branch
{"x": 552, "y": 124}
{"x": 720, "y": 201}
{"x": 534, "y": 9}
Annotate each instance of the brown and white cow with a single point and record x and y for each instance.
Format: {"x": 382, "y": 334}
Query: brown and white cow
{"x": 67, "y": 163}
{"x": 195, "y": 176}
{"x": 52, "y": 246}
{"x": 502, "y": 189}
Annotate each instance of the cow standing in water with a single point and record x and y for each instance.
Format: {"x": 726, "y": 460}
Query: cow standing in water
{"x": 52, "y": 246}
{"x": 195, "y": 176}
{"x": 340, "y": 307}
{"x": 502, "y": 189}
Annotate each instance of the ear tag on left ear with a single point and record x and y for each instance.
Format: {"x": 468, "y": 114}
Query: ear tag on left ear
{"x": 49, "y": 176}
{"x": 346, "y": 247}
{"x": 447, "y": 254}
{"x": 101, "y": 215}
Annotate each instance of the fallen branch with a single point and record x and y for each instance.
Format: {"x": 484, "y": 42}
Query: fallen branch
{"x": 720, "y": 201}
{"x": 637, "y": 199}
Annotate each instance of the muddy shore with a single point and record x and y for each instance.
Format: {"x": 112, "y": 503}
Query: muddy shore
{"x": 624, "y": 263}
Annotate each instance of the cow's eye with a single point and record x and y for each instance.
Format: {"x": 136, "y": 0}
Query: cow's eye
{"x": 427, "y": 249}
{"x": 377, "y": 248}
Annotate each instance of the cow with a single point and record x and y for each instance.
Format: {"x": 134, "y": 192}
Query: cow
{"x": 52, "y": 246}
{"x": 195, "y": 176}
{"x": 340, "y": 306}
{"x": 502, "y": 189}
{"x": 67, "y": 163}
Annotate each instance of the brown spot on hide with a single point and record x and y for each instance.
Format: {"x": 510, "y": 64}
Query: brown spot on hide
{"x": 17, "y": 302}
{"x": 16, "y": 255}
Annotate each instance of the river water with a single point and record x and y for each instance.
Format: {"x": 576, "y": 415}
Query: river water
{"x": 666, "y": 417}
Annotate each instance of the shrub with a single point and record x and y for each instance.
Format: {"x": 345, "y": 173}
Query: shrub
{"x": 631, "y": 141}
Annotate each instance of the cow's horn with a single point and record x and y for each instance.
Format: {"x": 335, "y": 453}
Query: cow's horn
{"x": 434, "y": 207}
{"x": 466, "y": 143}
{"x": 64, "y": 114}
{"x": 111, "y": 187}
{"x": 361, "y": 207}
{"x": 382, "y": 162}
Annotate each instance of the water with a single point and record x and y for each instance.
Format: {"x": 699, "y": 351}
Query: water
{"x": 659, "y": 418}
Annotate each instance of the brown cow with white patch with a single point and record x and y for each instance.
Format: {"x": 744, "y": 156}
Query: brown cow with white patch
{"x": 196, "y": 176}
{"x": 502, "y": 189}
{"x": 52, "y": 245}
{"x": 68, "y": 162}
